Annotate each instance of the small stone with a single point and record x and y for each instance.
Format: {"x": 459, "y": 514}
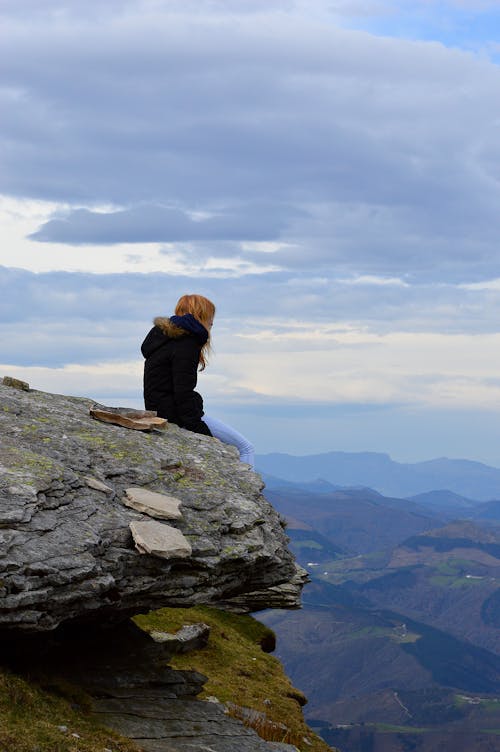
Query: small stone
{"x": 76, "y": 736}
{"x": 63, "y": 729}
{"x": 187, "y": 638}
{"x": 97, "y": 485}
{"x": 168, "y": 463}
{"x": 24, "y": 491}
{"x": 152, "y": 503}
{"x": 160, "y": 540}
{"x": 16, "y": 383}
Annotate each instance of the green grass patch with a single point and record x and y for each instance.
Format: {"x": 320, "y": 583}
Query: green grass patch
{"x": 490, "y": 704}
{"x": 453, "y": 581}
{"x": 36, "y": 719}
{"x": 440, "y": 580}
{"x": 364, "y": 632}
{"x": 387, "y": 728}
{"x": 450, "y": 567}
{"x": 390, "y": 633}
{"x": 238, "y": 670}
{"x": 462, "y": 582}
{"x": 409, "y": 637}
{"x": 451, "y": 573}
{"x": 307, "y": 544}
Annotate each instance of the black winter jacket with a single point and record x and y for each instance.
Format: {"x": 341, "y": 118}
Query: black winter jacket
{"x": 170, "y": 373}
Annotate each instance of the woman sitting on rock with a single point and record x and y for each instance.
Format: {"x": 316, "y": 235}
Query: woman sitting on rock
{"x": 174, "y": 349}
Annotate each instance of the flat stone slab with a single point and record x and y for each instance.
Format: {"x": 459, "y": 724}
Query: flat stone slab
{"x": 139, "y": 420}
{"x": 178, "y": 726}
{"x": 16, "y": 383}
{"x": 154, "y": 504}
{"x": 160, "y": 540}
{"x": 97, "y": 485}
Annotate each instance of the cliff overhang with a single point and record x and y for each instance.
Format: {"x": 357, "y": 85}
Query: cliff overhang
{"x": 66, "y": 546}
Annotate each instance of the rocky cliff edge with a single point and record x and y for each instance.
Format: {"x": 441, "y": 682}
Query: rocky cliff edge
{"x": 70, "y": 544}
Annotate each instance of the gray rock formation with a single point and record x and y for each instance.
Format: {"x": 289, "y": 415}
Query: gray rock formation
{"x": 163, "y": 725}
{"x": 131, "y": 688}
{"x": 66, "y": 548}
{"x": 278, "y": 596}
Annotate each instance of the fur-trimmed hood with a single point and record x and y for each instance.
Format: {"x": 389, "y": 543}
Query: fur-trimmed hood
{"x": 174, "y": 327}
{"x": 170, "y": 330}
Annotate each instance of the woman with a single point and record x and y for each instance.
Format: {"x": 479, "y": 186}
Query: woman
{"x": 174, "y": 348}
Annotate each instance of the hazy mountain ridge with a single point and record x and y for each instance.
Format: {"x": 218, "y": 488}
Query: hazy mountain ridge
{"x": 466, "y": 478}
{"x": 442, "y": 499}
{"x": 379, "y": 522}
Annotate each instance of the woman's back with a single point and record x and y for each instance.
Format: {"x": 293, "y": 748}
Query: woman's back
{"x": 170, "y": 373}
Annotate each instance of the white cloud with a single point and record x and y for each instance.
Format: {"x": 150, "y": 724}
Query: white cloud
{"x": 262, "y": 247}
{"x": 381, "y": 153}
{"x": 335, "y": 192}
{"x": 111, "y": 379}
{"x": 422, "y": 370}
{"x": 371, "y": 279}
{"x": 487, "y": 284}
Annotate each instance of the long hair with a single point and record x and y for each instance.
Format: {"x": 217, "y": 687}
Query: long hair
{"x": 204, "y": 311}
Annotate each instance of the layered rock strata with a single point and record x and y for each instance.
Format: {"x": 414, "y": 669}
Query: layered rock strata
{"x": 66, "y": 547}
{"x": 132, "y": 690}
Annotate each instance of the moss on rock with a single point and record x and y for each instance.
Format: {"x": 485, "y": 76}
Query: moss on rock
{"x": 239, "y": 672}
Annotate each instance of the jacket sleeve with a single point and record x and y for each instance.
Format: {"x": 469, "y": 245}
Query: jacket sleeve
{"x": 189, "y": 404}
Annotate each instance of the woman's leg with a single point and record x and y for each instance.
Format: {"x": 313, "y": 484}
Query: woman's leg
{"x": 229, "y": 436}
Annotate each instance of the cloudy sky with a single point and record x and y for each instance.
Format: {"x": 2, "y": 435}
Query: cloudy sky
{"x": 327, "y": 171}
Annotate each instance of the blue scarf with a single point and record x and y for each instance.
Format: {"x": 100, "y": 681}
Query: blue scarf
{"x": 191, "y": 325}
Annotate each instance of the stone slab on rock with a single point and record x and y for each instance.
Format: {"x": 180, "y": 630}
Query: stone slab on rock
{"x": 189, "y": 637}
{"x": 98, "y": 485}
{"x": 138, "y": 420}
{"x": 16, "y": 383}
{"x": 154, "y": 504}
{"x": 158, "y": 539}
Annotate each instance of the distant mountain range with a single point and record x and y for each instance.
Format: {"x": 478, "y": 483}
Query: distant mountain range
{"x": 398, "y": 642}
{"x": 382, "y": 682}
{"x": 355, "y": 520}
{"x": 470, "y": 480}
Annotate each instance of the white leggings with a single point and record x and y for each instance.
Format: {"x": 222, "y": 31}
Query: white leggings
{"x": 229, "y": 436}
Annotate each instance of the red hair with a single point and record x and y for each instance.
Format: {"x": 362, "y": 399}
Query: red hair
{"x": 204, "y": 311}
